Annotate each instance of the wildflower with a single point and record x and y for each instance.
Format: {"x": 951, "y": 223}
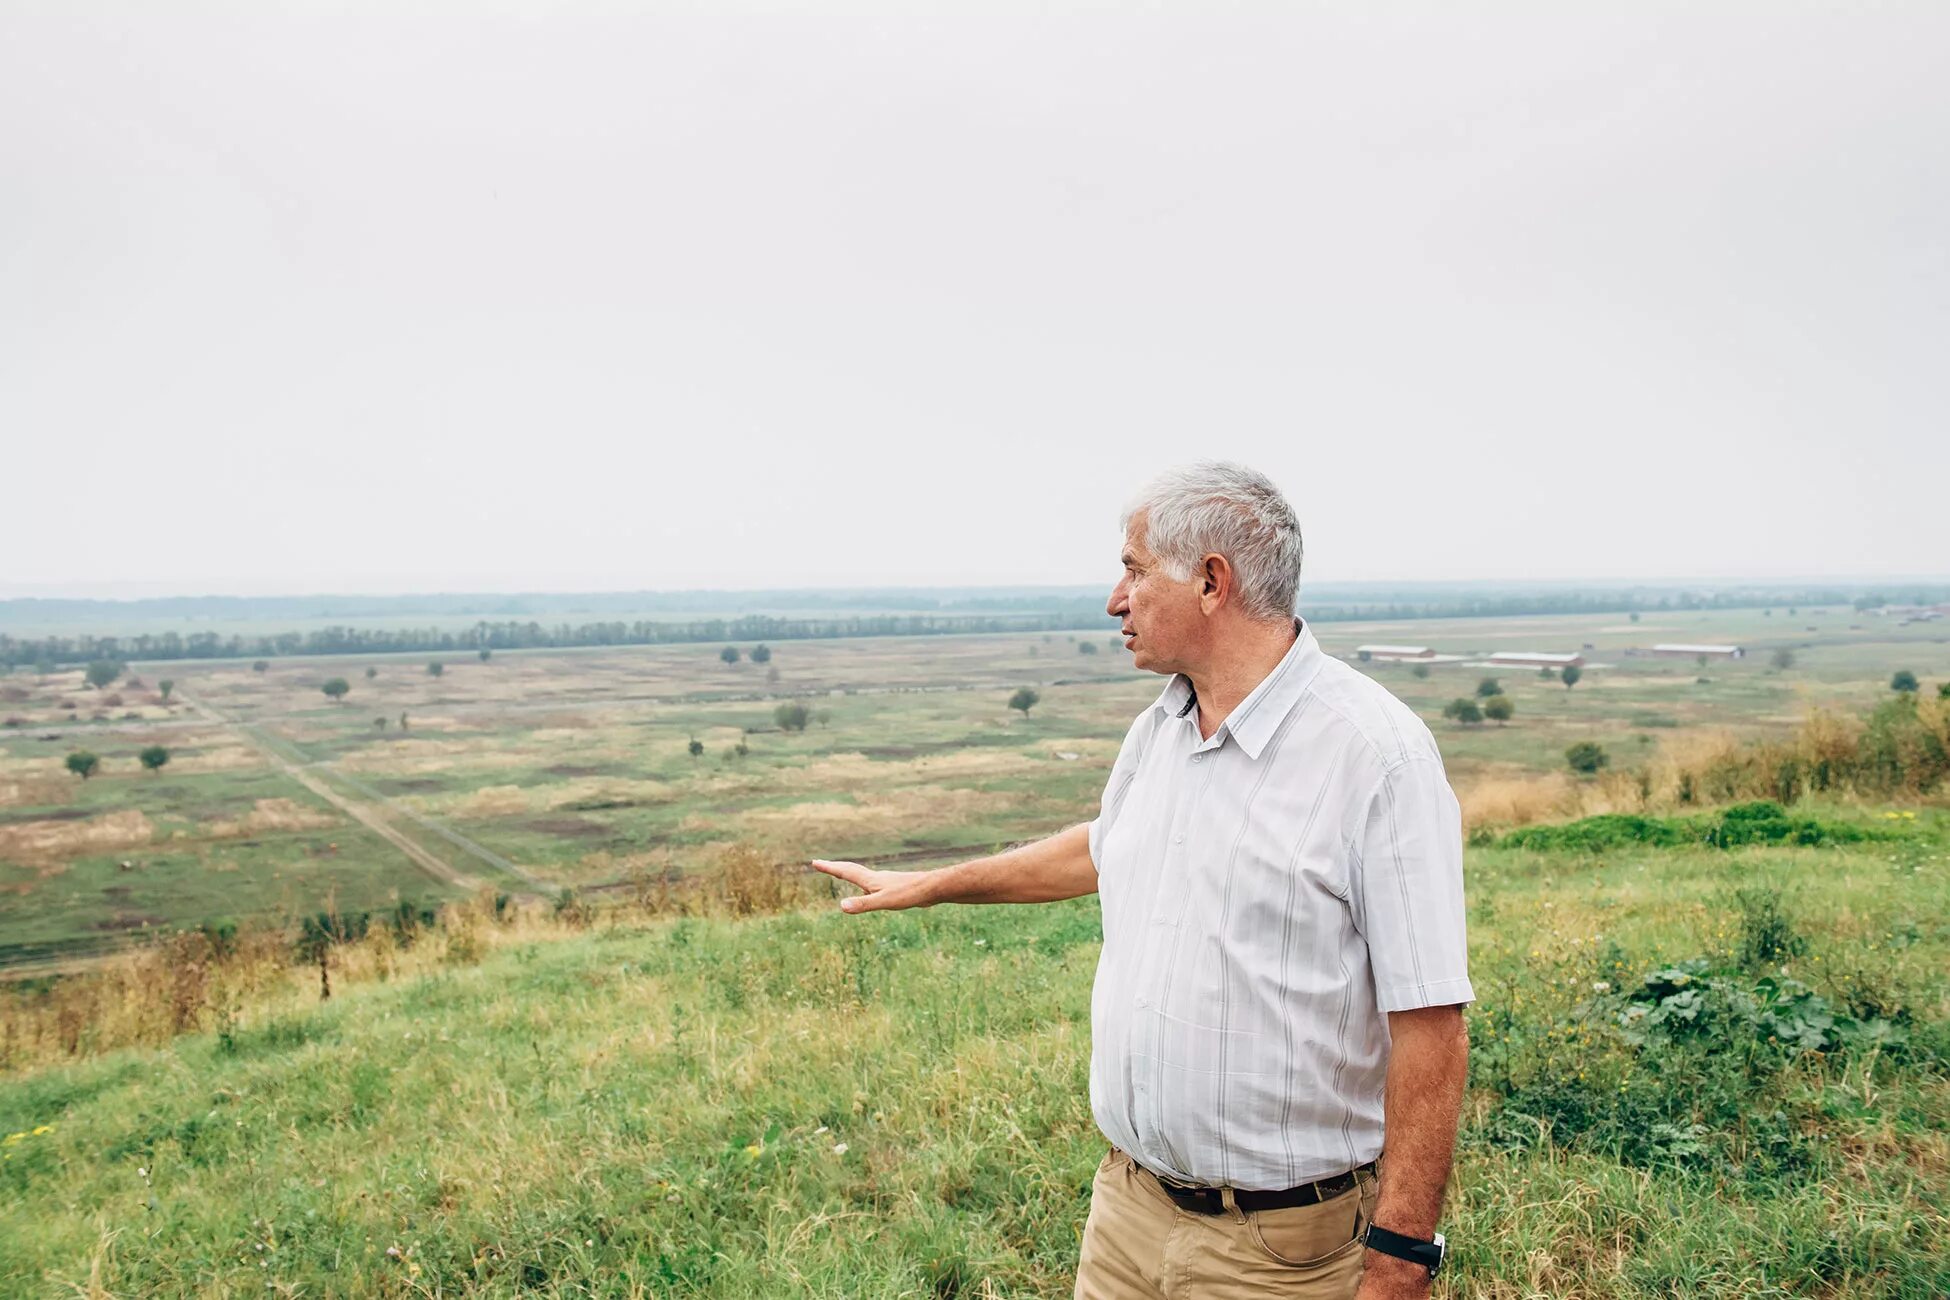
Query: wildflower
{"x": 839, "y": 1148}
{"x": 1601, "y": 986}
{"x": 819, "y": 1130}
{"x": 753, "y": 1151}
{"x": 393, "y": 1252}
{"x": 45, "y": 1128}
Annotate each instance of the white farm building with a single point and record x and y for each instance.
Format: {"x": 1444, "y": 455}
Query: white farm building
{"x": 1694, "y": 651}
{"x": 1411, "y": 652}
{"x": 1535, "y": 659}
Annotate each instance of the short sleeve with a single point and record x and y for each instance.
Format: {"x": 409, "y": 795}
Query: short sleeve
{"x": 1122, "y": 773}
{"x": 1407, "y": 889}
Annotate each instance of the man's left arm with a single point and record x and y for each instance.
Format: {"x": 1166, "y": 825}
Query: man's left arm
{"x": 1427, "y": 1066}
{"x": 1408, "y": 905}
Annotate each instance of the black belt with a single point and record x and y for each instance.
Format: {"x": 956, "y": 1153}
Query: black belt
{"x": 1209, "y": 1200}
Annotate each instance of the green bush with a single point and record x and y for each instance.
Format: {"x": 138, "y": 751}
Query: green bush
{"x": 1587, "y": 756}
{"x": 1760, "y": 822}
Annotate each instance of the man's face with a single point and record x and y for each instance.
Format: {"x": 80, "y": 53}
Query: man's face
{"x": 1161, "y": 620}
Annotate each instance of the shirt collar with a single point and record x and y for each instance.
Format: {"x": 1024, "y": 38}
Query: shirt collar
{"x": 1252, "y": 724}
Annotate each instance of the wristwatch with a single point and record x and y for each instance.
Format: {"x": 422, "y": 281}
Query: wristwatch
{"x": 1413, "y": 1249}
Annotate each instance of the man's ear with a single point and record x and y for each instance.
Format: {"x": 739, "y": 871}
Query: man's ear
{"x": 1215, "y": 576}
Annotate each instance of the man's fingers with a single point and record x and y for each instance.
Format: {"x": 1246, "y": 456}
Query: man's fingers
{"x": 851, "y": 872}
{"x": 863, "y": 903}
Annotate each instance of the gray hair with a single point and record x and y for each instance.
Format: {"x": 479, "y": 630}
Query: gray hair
{"x": 1219, "y": 507}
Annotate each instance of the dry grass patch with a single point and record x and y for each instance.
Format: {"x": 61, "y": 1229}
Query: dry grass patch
{"x": 39, "y": 841}
{"x": 270, "y": 815}
{"x": 885, "y": 812}
{"x": 1514, "y": 800}
{"x": 493, "y": 801}
{"x": 617, "y": 790}
{"x": 18, "y": 791}
{"x": 219, "y": 758}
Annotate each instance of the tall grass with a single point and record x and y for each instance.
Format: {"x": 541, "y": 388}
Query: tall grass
{"x": 1901, "y": 750}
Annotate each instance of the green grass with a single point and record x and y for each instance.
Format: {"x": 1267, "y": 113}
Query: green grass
{"x": 653, "y": 1108}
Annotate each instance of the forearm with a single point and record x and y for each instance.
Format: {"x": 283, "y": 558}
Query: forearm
{"x": 1052, "y": 868}
{"x": 1427, "y": 1068}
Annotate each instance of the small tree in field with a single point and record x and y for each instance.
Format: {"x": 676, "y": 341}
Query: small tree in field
{"x": 103, "y": 671}
{"x": 336, "y": 689}
{"x": 371, "y": 672}
{"x": 83, "y": 764}
{"x": 1547, "y": 674}
{"x": 1086, "y": 647}
{"x": 1587, "y": 756}
{"x": 402, "y": 719}
{"x": 1903, "y": 680}
{"x": 761, "y": 653}
{"x": 824, "y": 717}
{"x": 1487, "y": 687}
{"x": 484, "y": 654}
{"x": 791, "y": 716}
{"x": 1463, "y": 710}
{"x": 1499, "y": 709}
{"x": 435, "y": 668}
{"x": 154, "y": 757}
{"x": 1783, "y": 658}
{"x": 166, "y": 685}
{"x": 1421, "y": 671}
{"x": 697, "y": 748}
{"x": 1571, "y": 674}
{"x": 259, "y": 665}
{"x": 729, "y": 654}
{"x": 380, "y": 722}
{"x": 1024, "y": 699}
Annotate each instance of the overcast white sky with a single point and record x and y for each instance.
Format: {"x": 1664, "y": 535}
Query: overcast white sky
{"x": 381, "y": 297}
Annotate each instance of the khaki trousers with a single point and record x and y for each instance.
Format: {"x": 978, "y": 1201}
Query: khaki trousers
{"x": 1138, "y": 1245}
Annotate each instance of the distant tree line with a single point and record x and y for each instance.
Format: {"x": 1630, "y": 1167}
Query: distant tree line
{"x": 484, "y": 636}
{"x": 1045, "y": 614}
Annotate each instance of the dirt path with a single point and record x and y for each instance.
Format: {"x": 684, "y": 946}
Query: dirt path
{"x": 359, "y": 812}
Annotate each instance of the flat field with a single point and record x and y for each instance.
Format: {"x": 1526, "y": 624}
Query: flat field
{"x": 538, "y": 770}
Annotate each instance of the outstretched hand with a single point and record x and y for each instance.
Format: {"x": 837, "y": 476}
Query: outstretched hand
{"x": 885, "y": 890}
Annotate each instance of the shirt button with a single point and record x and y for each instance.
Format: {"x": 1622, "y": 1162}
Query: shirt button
{"x": 1197, "y": 757}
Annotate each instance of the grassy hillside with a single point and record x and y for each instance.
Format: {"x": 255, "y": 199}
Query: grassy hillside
{"x": 895, "y": 1105}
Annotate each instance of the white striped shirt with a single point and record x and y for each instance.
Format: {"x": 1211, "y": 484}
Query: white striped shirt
{"x": 1268, "y": 896}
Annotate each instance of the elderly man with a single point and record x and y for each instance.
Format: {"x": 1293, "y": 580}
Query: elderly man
{"x": 1278, "y": 1048}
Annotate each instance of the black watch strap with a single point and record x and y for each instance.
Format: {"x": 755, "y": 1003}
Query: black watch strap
{"x": 1414, "y": 1249}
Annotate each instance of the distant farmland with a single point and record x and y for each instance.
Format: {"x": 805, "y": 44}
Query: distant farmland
{"x": 536, "y": 771}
